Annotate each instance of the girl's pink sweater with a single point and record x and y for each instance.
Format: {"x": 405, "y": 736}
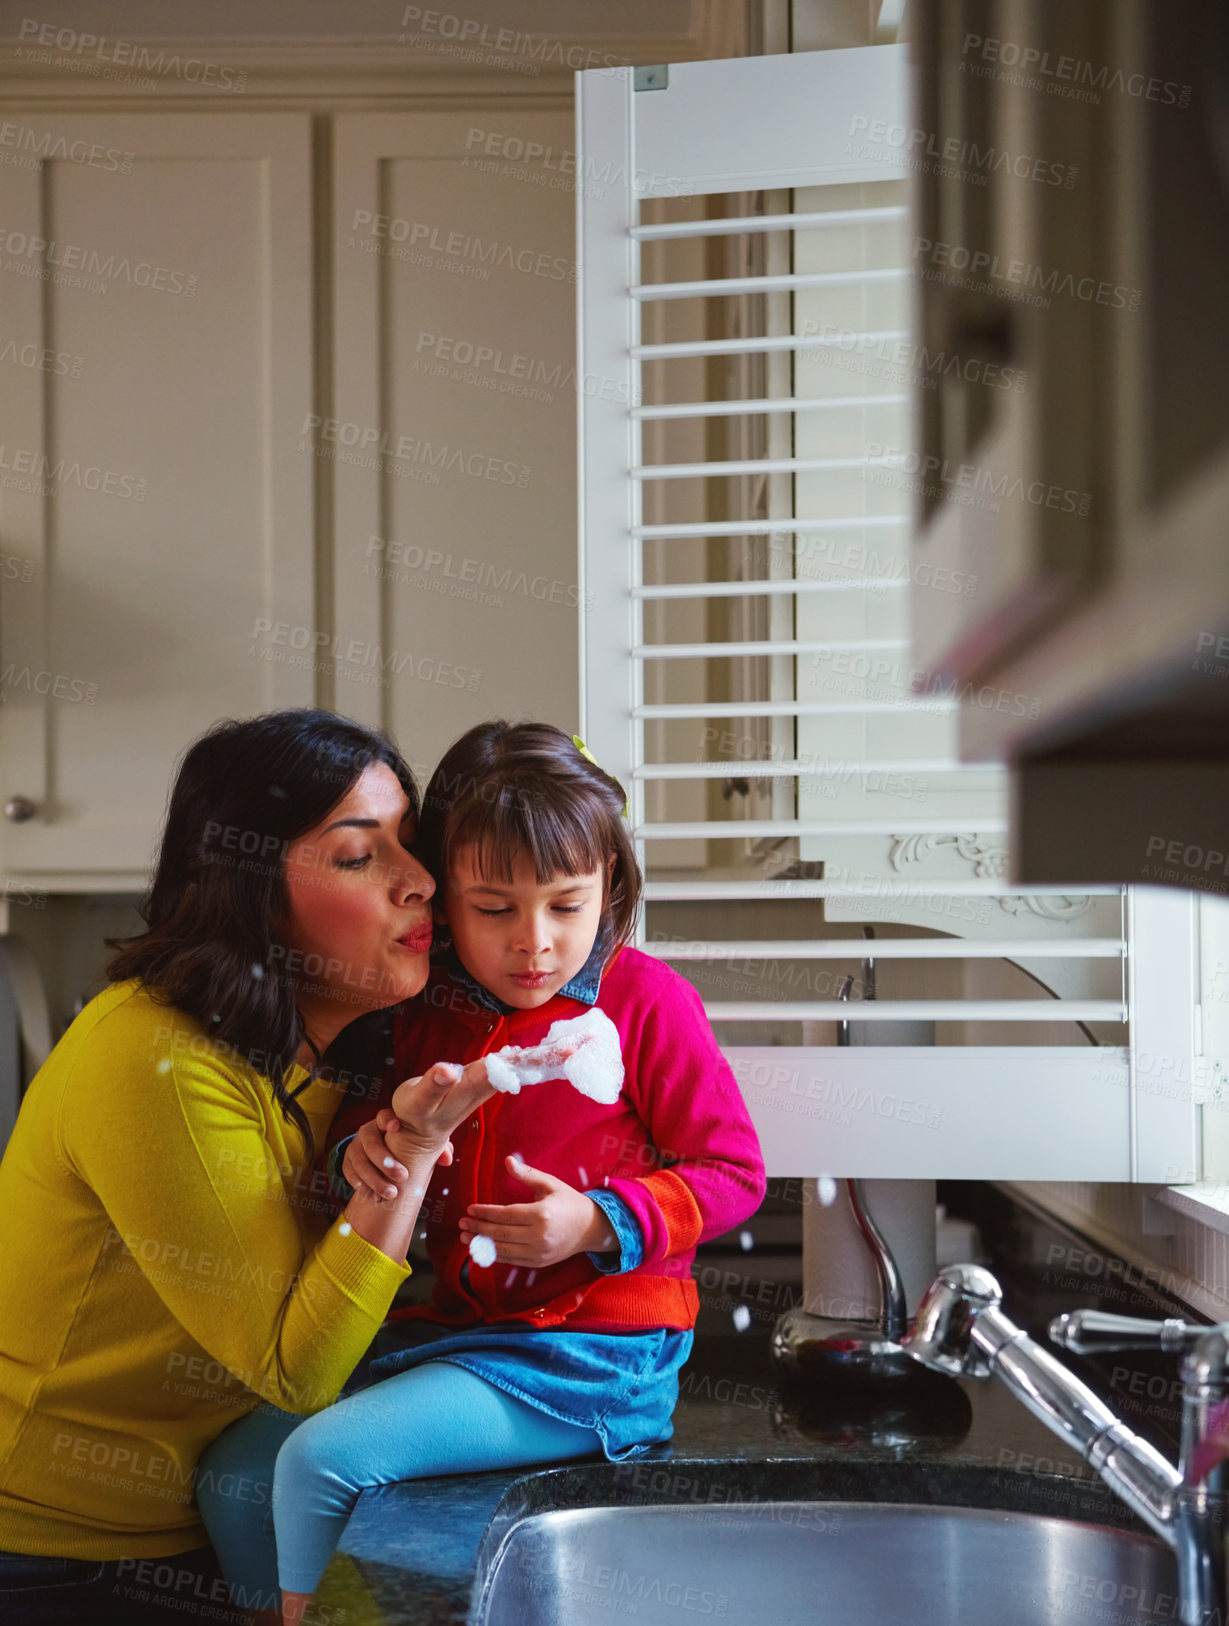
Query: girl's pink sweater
{"x": 677, "y": 1146}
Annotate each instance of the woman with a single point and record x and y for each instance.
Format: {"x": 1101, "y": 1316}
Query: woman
{"x": 170, "y": 1259}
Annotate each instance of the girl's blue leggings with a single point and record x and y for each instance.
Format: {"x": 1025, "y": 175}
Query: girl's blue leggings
{"x": 308, "y": 1472}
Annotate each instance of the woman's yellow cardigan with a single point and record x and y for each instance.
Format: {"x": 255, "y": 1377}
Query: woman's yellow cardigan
{"x": 168, "y": 1260}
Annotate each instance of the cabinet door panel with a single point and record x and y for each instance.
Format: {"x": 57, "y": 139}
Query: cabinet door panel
{"x": 155, "y": 492}
{"x": 1017, "y": 288}
{"x": 453, "y": 452}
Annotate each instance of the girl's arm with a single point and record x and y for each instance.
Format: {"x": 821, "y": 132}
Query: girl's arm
{"x": 686, "y": 1093}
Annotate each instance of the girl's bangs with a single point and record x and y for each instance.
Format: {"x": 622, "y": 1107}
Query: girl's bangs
{"x": 514, "y": 823}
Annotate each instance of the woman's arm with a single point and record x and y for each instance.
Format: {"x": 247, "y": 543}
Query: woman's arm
{"x": 182, "y": 1150}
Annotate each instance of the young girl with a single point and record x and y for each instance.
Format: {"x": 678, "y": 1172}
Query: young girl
{"x": 570, "y": 1342}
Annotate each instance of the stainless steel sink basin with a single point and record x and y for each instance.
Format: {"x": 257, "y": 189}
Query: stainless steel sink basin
{"x": 822, "y": 1564}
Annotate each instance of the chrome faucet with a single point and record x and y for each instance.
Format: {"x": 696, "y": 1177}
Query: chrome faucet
{"x": 961, "y": 1330}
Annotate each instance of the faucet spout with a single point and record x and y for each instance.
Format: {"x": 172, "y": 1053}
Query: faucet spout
{"x": 961, "y": 1330}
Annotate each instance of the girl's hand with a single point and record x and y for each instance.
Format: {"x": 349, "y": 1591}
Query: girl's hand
{"x": 560, "y": 1222}
{"x": 370, "y": 1163}
{"x": 429, "y": 1108}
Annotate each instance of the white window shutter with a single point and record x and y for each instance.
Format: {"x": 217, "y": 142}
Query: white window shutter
{"x": 813, "y": 812}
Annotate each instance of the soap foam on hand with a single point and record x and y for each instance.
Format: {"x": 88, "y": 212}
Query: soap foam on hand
{"x": 585, "y": 1050}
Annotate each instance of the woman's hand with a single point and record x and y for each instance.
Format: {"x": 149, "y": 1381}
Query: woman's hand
{"x": 429, "y": 1108}
{"x": 370, "y": 1164}
{"x": 560, "y": 1222}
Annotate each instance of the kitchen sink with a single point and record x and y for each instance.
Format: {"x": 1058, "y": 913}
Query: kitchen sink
{"x": 822, "y": 1563}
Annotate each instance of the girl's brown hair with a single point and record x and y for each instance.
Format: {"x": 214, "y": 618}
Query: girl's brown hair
{"x": 507, "y": 788}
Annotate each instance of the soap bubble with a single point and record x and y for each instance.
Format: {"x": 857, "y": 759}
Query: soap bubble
{"x": 482, "y": 1250}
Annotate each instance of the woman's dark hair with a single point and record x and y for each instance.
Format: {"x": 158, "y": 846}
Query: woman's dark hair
{"x": 243, "y": 792}
{"x": 507, "y": 788}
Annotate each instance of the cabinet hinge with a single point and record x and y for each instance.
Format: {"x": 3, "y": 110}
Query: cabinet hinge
{"x": 1211, "y": 1080}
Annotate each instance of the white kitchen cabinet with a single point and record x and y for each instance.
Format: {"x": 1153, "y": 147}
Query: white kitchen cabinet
{"x": 261, "y": 496}
{"x": 208, "y": 341}
{"x": 1073, "y": 229}
{"x": 156, "y": 505}
{"x": 1013, "y": 221}
{"x": 451, "y": 445}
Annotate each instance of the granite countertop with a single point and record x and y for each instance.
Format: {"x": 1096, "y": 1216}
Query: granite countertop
{"x": 411, "y": 1552}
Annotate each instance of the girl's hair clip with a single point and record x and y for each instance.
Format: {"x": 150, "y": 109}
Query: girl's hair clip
{"x": 588, "y": 754}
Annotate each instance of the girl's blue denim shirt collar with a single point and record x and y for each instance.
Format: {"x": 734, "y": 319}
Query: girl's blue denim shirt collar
{"x": 584, "y": 986}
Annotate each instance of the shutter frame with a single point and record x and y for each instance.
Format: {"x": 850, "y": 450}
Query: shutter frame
{"x": 1101, "y": 1115}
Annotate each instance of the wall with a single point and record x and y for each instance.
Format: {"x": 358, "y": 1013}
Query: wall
{"x": 1175, "y": 1248}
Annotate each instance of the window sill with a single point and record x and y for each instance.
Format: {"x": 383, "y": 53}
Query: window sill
{"x": 1206, "y": 1202}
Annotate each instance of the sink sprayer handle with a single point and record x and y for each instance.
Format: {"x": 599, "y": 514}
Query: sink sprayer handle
{"x": 1092, "y": 1332}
